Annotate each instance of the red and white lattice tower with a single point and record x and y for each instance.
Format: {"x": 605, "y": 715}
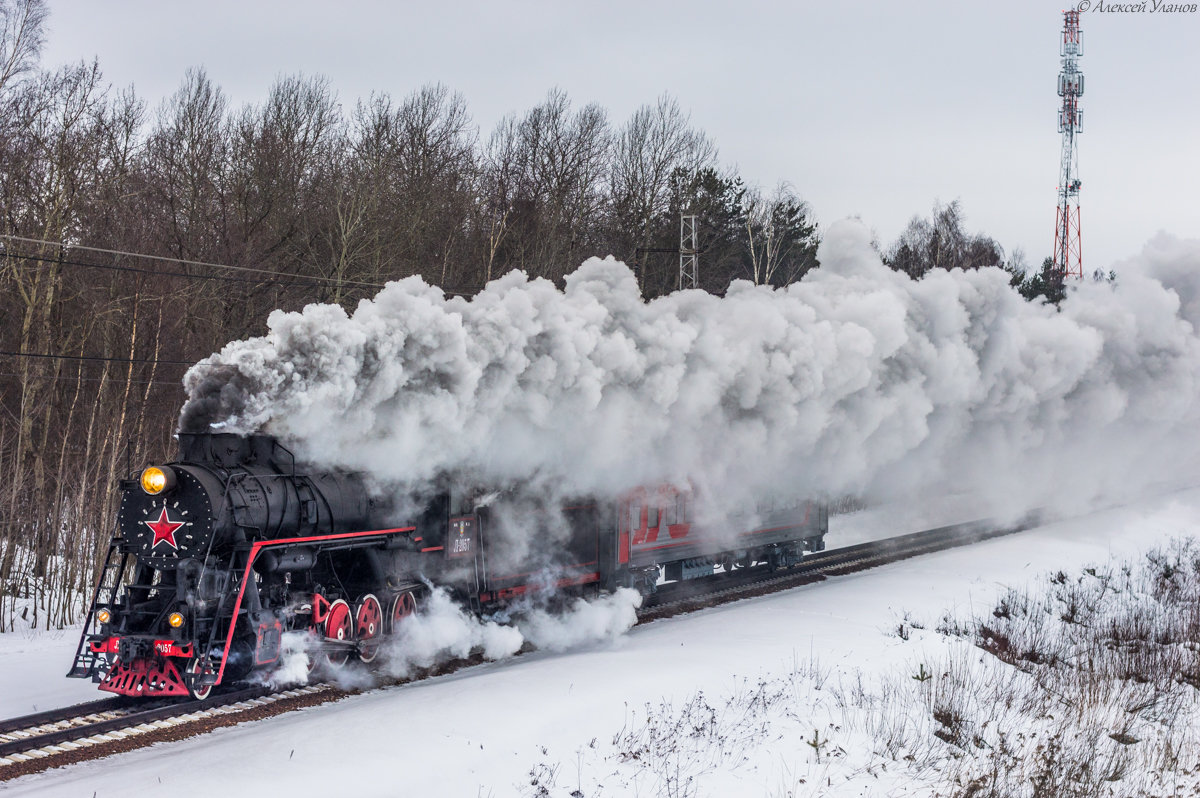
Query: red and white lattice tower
{"x": 1068, "y": 239}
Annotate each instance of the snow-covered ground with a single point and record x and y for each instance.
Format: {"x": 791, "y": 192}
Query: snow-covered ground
{"x": 33, "y": 665}
{"x": 746, "y": 699}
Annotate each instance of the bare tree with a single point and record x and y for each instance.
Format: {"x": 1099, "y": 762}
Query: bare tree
{"x": 185, "y": 162}
{"x": 279, "y": 163}
{"x": 414, "y": 169}
{"x": 781, "y": 240}
{"x": 67, "y": 146}
{"x": 940, "y": 242}
{"x": 22, "y": 34}
{"x": 657, "y": 145}
{"x": 549, "y": 184}
{"x": 498, "y": 188}
{"x": 276, "y": 181}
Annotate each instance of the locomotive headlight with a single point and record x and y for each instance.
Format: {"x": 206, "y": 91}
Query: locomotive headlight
{"x": 175, "y": 619}
{"x": 103, "y": 616}
{"x": 157, "y": 479}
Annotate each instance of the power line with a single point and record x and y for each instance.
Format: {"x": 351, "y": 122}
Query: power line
{"x": 136, "y": 270}
{"x": 185, "y": 262}
{"x": 98, "y": 358}
{"x": 285, "y": 279}
{"x": 80, "y": 378}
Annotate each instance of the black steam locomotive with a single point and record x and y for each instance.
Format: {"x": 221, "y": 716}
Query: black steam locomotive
{"x": 218, "y": 554}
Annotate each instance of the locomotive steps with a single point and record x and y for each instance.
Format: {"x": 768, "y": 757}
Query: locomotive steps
{"x": 34, "y": 743}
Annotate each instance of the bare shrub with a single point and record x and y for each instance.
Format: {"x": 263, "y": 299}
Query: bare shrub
{"x": 1100, "y": 694}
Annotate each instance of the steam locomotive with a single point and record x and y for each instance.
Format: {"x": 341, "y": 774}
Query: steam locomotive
{"x": 219, "y": 554}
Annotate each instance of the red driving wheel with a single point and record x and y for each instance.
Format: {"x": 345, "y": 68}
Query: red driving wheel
{"x": 339, "y": 625}
{"x": 368, "y": 626}
{"x": 196, "y": 690}
{"x": 403, "y": 605}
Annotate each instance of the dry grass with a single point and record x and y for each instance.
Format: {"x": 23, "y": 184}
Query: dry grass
{"x": 1093, "y": 688}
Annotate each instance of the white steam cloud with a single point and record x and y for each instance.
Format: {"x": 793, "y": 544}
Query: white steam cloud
{"x": 442, "y": 631}
{"x": 583, "y": 622}
{"x": 855, "y": 380}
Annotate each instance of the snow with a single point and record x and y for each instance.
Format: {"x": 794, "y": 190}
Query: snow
{"x": 32, "y": 668}
{"x": 552, "y": 718}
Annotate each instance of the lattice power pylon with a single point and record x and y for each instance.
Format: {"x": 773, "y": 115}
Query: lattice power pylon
{"x": 689, "y": 253}
{"x": 1068, "y": 239}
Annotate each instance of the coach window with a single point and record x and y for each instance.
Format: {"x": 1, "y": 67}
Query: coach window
{"x": 635, "y": 515}
{"x": 652, "y": 516}
{"x": 669, "y": 516}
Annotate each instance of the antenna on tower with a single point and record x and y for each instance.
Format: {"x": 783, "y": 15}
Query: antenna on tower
{"x": 1068, "y": 239}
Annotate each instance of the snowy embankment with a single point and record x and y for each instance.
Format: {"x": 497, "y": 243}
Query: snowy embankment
{"x": 33, "y": 664}
{"x": 818, "y": 691}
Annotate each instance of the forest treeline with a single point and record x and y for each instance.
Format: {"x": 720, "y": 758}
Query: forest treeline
{"x": 137, "y": 239}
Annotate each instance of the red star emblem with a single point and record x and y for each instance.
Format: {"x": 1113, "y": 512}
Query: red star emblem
{"x": 164, "y": 530}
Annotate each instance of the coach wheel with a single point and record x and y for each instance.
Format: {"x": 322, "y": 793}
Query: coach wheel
{"x": 368, "y": 625}
{"x": 403, "y": 605}
{"x": 196, "y": 690}
{"x": 727, "y": 563}
{"x": 339, "y": 625}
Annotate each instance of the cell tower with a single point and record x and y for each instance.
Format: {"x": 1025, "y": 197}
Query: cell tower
{"x": 1068, "y": 239}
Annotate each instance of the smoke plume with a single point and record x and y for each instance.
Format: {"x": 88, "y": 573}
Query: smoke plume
{"x": 857, "y": 380}
{"x": 441, "y": 631}
{"x": 583, "y": 622}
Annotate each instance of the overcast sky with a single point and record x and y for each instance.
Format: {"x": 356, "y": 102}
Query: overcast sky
{"x": 871, "y": 109}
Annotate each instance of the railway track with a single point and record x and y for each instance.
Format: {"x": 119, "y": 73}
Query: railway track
{"x": 70, "y": 734}
{"x": 747, "y": 582}
{"x": 33, "y": 743}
